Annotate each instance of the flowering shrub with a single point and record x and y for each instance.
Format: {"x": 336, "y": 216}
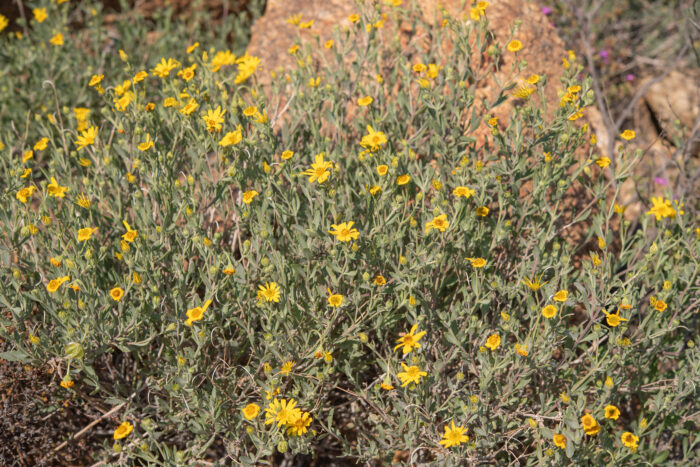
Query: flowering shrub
{"x": 359, "y": 264}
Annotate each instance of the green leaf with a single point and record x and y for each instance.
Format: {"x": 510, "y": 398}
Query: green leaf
{"x": 15, "y": 356}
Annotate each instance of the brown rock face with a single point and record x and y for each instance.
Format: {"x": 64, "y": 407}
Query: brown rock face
{"x": 676, "y": 97}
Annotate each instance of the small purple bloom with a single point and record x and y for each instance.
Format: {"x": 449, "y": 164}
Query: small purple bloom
{"x": 630, "y": 77}
{"x": 604, "y": 53}
{"x": 546, "y": 10}
{"x": 660, "y": 181}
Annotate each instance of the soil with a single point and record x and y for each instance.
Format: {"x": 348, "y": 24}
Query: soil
{"x": 37, "y": 415}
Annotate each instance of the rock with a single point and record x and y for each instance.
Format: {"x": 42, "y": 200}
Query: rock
{"x": 676, "y": 98}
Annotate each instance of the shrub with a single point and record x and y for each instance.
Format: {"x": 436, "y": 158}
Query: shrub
{"x": 361, "y": 264}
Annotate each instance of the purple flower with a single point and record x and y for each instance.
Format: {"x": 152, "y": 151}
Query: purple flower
{"x": 630, "y": 77}
{"x": 546, "y": 10}
{"x": 660, "y": 181}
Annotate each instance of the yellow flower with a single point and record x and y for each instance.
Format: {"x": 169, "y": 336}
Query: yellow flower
{"x": 192, "y": 48}
{"x": 521, "y": 349}
{"x": 514, "y": 45}
{"x": 56, "y": 190}
{"x": 373, "y": 140}
{"x": 67, "y": 383}
{"x": 493, "y": 342}
{"x": 54, "y": 284}
{"x": 27, "y": 155}
{"x": 300, "y": 425}
{"x": 250, "y": 411}
{"x": 403, "y": 179}
{"x": 661, "y": 208}
{"x": 116, "y": 293}
{"x": 334, "y": 300}
{"x": 214, "y": 119}
{"x": 247, "y": 65}
{"x": 287, "y": 155}
{"x": 454, "y": 435}
{"x": 432, "y": 72}
{"x": 270, "y": 292}
{"x": 534, "y": 283}
{"x": 222, "y": 58}
{"x": 559, "y": 441}
{"x": 379, "y": 280}
{"x": 282, "y": 411}
{"x": 523, "y": 92}
{"x": 86, "y": 138}
{"x": 410, "y": 340}
{"x": 95, "y": 80}
{"x": 163, "y": 69}
{"x": 189, "y": 108}
{"x": 170, "y": 102}
{"x": 477, "y": 262}
{"x": 130, "y": 234}
{"x": 57, "y": 39}
{"x": 590, "y": 425}
{"x": 187, "y": 73}
{"x": 386, "y": 386}
{"x": 483, "y": 211}
{"x": 374, "y": 189}
{"x": 354, "y": 18}
{"x": 25, "y": 193}
{"x": 123, "y": 430}
{"x": 249, "y": 195}
{"x": 229, "y": 271}
{"x": 612, "y": 412}
{"x": 438, "y": 223}
{"x": 660, "y": 305}
{"x": 463, "y": 192}
{"x": 549, "y": 312}
{"x": 382, "y": 170}
{"x": 613, "y": 320}
{"x": 82, "y": 201}
{"x": 27, "y": 172}
{"x": 40, "y": 14}
{"x": 410, "y": 374}
{"x": 140, "y": 76}
{"x": 533, "y": 79}
{"x": 344, "y": 232}
{"x": 364, "y": 101}
{"x": 287, "y": 367}
{"x": 3, "y": 22}
{"x": 628, "y": 135}
{"x": 561, "y": 296}
{"x": 319, "y": 169}
{"x": 84, "y": 234}
{"x": 146, "y": 145}
{"x": 424, "y": 83}
{"x": 232, "y": 137}
{"x": 629, "y": 440}
{"x": 41, "y": 144}
{"x": 603, "y": 162}
{"x": 565, "y": 397}
{"x": 196, "y": 313}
